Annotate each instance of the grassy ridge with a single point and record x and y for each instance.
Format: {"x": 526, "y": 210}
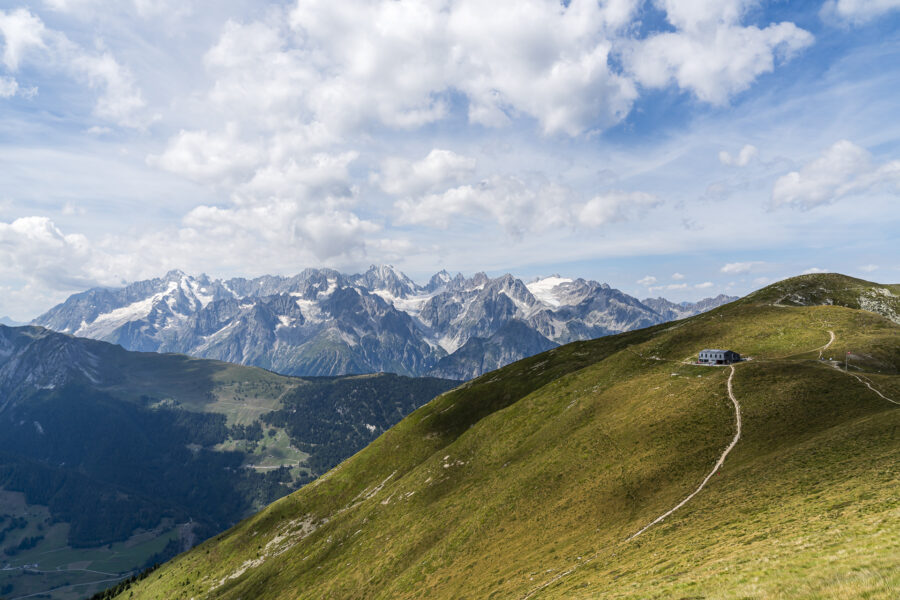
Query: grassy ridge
{"x": 548, "y": 466}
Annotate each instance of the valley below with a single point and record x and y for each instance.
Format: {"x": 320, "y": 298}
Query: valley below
{"x": 112, "y": 461}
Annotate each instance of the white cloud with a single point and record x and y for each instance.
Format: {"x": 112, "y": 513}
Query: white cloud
{"x": 710, "y": 54}
{"x": 302, "y": 204}
{"x": 813, "y": 270}
{"x": 762, "y": 281}
{"x": 120, "y": 100}
{"x": 869, "y": 268}
{"x": 677, "y": 276}
{"x": 705, "y": 285}
{"x": 741, "y": 267}
{"x": 202, "y": 156}
{"x": 842, "y": 170}
{"x": 508, "y": 57}
{"x": 616, "y": 207}
{"x": 21, "y": 32}
{"x": 280, "y": 227}
{"x": 441, "y": 168}
{"x": 648, "y": 280}
{"x": 8, "y": 87}
{"x": 536, "y": 58}
{"x": 858, "y": 11}
{"x": 362, "y": 63}
{"x": 70, "y": 209}
{"x": 514, "y": 204}
{"x": 743, "y": 158}
{"x": 35, "y": 248}
{"x": 672, "y": 287}
{"x": 321, "y": 77}
{"x": 26, "y": 37}
{"x": 521, "y": 206}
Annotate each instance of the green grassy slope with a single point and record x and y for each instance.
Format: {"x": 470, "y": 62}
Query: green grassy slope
{"x": 529, "y": 481}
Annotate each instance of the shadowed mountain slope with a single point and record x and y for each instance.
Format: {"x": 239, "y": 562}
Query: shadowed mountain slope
{"x": 109, "y": 458}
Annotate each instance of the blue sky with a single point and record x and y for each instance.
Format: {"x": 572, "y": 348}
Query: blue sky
{"x": 668, "y": 148}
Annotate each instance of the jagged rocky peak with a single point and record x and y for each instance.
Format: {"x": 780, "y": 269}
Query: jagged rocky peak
{"x": 515, "y": 289}
{"x": 321, "y": 322}
{"x": 479, "y": 279}
{"x": 388, "y": 281}
{"x": 174, "y": 275}
{"x": 439, "y": 281}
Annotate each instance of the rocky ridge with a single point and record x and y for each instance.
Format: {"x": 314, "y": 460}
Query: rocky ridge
{"x": 323, "y": 322}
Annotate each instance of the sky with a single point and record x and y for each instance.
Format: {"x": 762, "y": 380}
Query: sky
{"x": 682, "y": 148}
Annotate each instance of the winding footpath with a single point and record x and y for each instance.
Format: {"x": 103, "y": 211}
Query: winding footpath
{"x": 863, "y": 380}
{"x": 716, "y": 467}
{"x": 826, "y": 346}
{"x": 868, "y": 385}
{"x": 659, "y": 519}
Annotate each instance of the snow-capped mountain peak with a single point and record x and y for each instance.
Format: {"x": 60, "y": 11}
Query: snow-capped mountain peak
{"x": 322, "y": 322}
{"x": 544, "y": 289}
{"x": 387, "y": 282}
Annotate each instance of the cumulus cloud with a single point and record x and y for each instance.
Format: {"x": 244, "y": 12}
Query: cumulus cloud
{"x": 647, "y": 280}
{"x": 741, "y": 267}
{"x": 35, "y": 248}
{"x": 743, "y": 158}
{"x": 710, "y": 54}
{"x": 301, "y": 204}
{"x": 25, "y": 37}
{"x": 514, "y": 204}
{"x": 869, "y": 268}
{"x": 842, "y": 170}
{"x": 677, "y": 276}
{"x": 317, "y": 77}
{"x": 858, "y": 11}
{"x": 281, "y": 226}
{"x": 616, "y": 207}
{"x": 812, "y": 270}
{"x": 202, "y": 156}
{"x": 705, "y": 285}
{"x": 360, "y": 64}
{"x": 21, "y": 32}
{"x": 519, "y": 205}
{"x": 441, "y": 168}
{"x": 536, "y": 58}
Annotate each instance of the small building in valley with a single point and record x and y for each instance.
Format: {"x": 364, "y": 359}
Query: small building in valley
{"x": 711, "y": 356}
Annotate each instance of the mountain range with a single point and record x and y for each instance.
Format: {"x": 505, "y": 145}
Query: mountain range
{"x": 322, "y": 322}
{"x": 612, "y": 468}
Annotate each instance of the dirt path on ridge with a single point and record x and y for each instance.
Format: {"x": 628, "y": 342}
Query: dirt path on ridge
{"x": 863, "y": 380}
{"x": 716, "y": 467}
{"x": 826, "y": 346}
{"x": 659, "y": 519}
